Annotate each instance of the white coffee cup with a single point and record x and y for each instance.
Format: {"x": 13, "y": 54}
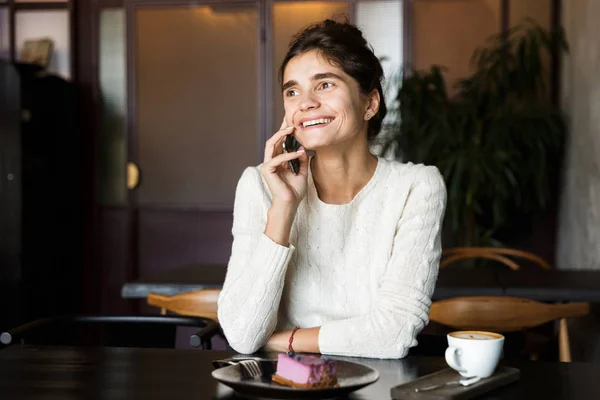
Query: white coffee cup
{"x": 474, "y": 353}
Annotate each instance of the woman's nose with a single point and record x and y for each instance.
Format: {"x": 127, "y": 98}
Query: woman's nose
{"x": 308, "y": 102}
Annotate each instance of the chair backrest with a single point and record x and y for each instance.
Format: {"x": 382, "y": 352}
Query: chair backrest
{"x": 499, "y": 254}
{"x": 500, "y": 313}
{"x": 199, "y": 303}
{"x": 110, "y": 330}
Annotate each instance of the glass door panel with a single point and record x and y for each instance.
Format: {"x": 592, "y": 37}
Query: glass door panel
{"x": 4, "y": 33}
{"x": 112, "y": 81}
{"x": 447, "y": 32}
{"x": 197, "y": 99}
{"x": 382, "y": 25}
{"x": 538, "y": 10}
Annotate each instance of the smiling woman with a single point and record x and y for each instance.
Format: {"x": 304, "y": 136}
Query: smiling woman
{"x": 318, "y": 94}
{"x": 342, "y": 256}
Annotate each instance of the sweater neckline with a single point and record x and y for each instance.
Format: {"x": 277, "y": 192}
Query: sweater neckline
{"x": 365, "y": 189}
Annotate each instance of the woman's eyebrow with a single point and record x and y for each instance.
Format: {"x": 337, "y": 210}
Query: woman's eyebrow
{"x": 315, "y": 77}
{"x": 326, "y": 75}
{"x": 288, "y": 85}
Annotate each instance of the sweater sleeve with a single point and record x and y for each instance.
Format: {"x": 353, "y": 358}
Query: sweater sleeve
{"x": 249, "y": 300}
{"x": 401, "y": 309}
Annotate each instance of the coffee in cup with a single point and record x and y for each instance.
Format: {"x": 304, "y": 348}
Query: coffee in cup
{"x": 474, "y": 353}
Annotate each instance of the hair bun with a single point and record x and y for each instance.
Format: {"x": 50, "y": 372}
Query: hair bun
{"x": 344, "y": 28}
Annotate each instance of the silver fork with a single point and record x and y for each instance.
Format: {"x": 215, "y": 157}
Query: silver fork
{"x": 250, "y": 368}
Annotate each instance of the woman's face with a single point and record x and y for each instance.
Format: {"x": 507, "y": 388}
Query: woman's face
{"x": 323, "y": 102}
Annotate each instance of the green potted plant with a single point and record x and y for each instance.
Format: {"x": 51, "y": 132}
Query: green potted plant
{"x": 496, "y": 139}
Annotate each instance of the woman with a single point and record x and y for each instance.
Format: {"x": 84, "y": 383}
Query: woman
{"x": 348, "y": 248}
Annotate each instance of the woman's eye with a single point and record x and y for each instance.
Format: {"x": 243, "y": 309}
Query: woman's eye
{"x": 326, "y": 85}
{"x": 291, "y": 93}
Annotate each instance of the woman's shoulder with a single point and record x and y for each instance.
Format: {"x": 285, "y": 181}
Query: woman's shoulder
{"x": 411, "y": 171}
{"x": 251, "y": 180}
{"x": 423, "y": 183}
{"x": 251, "y": 173}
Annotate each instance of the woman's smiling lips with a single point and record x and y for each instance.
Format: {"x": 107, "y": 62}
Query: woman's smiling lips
{"x": 315, "y": 122}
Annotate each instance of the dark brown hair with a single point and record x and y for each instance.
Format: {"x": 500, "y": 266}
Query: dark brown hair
{"x": 343, "y": 45}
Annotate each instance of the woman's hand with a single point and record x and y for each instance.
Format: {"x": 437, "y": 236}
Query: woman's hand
{"x": 287, "y": 188}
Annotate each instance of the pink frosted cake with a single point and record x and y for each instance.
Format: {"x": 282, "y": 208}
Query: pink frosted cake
{"x": 304, "y": 371}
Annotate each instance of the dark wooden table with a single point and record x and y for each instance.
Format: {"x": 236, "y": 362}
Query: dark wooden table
{"x": 451, "y": 282}
{"x": 551, "y": 286}
{"x": 175, "y": 281}
{"x": 67, "y": 373}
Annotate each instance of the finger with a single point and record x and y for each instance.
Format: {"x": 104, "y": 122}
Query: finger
{"x": 283, "y": 158}
{"x": 303, "y": 162}
{"x": 286, "y": 130}
{"x": 273, "y": 146}
{"x": 283, "y": 124}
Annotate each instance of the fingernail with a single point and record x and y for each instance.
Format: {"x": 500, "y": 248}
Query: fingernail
{"x": 289, "y": 127}
{"x": 300, "y": 151}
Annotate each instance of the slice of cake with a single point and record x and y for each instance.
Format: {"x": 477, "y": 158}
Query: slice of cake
{"x": 305, "y": 371}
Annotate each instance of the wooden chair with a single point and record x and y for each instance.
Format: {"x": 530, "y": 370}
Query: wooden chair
{"x": 506, "y": 314}
{"x": 197, "y": 303}
{"x": 499, "y": 254}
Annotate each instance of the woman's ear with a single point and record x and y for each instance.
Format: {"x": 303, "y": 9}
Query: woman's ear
{"x": 373, "y": 100}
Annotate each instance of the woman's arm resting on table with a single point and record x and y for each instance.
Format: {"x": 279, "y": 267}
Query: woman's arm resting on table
{"x": 253, "y": 285}
{"x": 260, "y": 254}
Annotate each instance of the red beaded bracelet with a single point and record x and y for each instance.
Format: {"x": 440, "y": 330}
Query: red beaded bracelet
{"x": 290, "y": 348}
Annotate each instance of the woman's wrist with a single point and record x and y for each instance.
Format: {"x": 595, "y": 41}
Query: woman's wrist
{"x": 304, "y": 341}
{"x": 279, "y": 223}
{"x": 278, "y": 342}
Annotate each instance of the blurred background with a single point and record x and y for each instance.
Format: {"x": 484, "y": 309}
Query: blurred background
{"x": 125, "y": 125}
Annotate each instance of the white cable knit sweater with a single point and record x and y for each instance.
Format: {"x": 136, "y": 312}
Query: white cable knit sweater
{"x": 363, "y": 271}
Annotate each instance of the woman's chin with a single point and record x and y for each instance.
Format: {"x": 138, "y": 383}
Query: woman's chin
{"x": 314, "y": 144}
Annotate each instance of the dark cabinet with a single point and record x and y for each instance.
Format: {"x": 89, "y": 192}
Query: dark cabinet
{"x": 41, "y": 195}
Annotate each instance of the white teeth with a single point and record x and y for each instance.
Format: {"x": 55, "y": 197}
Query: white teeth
{"x": 316, "y": 122}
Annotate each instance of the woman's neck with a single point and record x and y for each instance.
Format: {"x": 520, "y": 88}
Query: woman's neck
{"x": 339, "y": 177}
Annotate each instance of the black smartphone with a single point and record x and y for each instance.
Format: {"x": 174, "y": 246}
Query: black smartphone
{"x": 290, "y": 145}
